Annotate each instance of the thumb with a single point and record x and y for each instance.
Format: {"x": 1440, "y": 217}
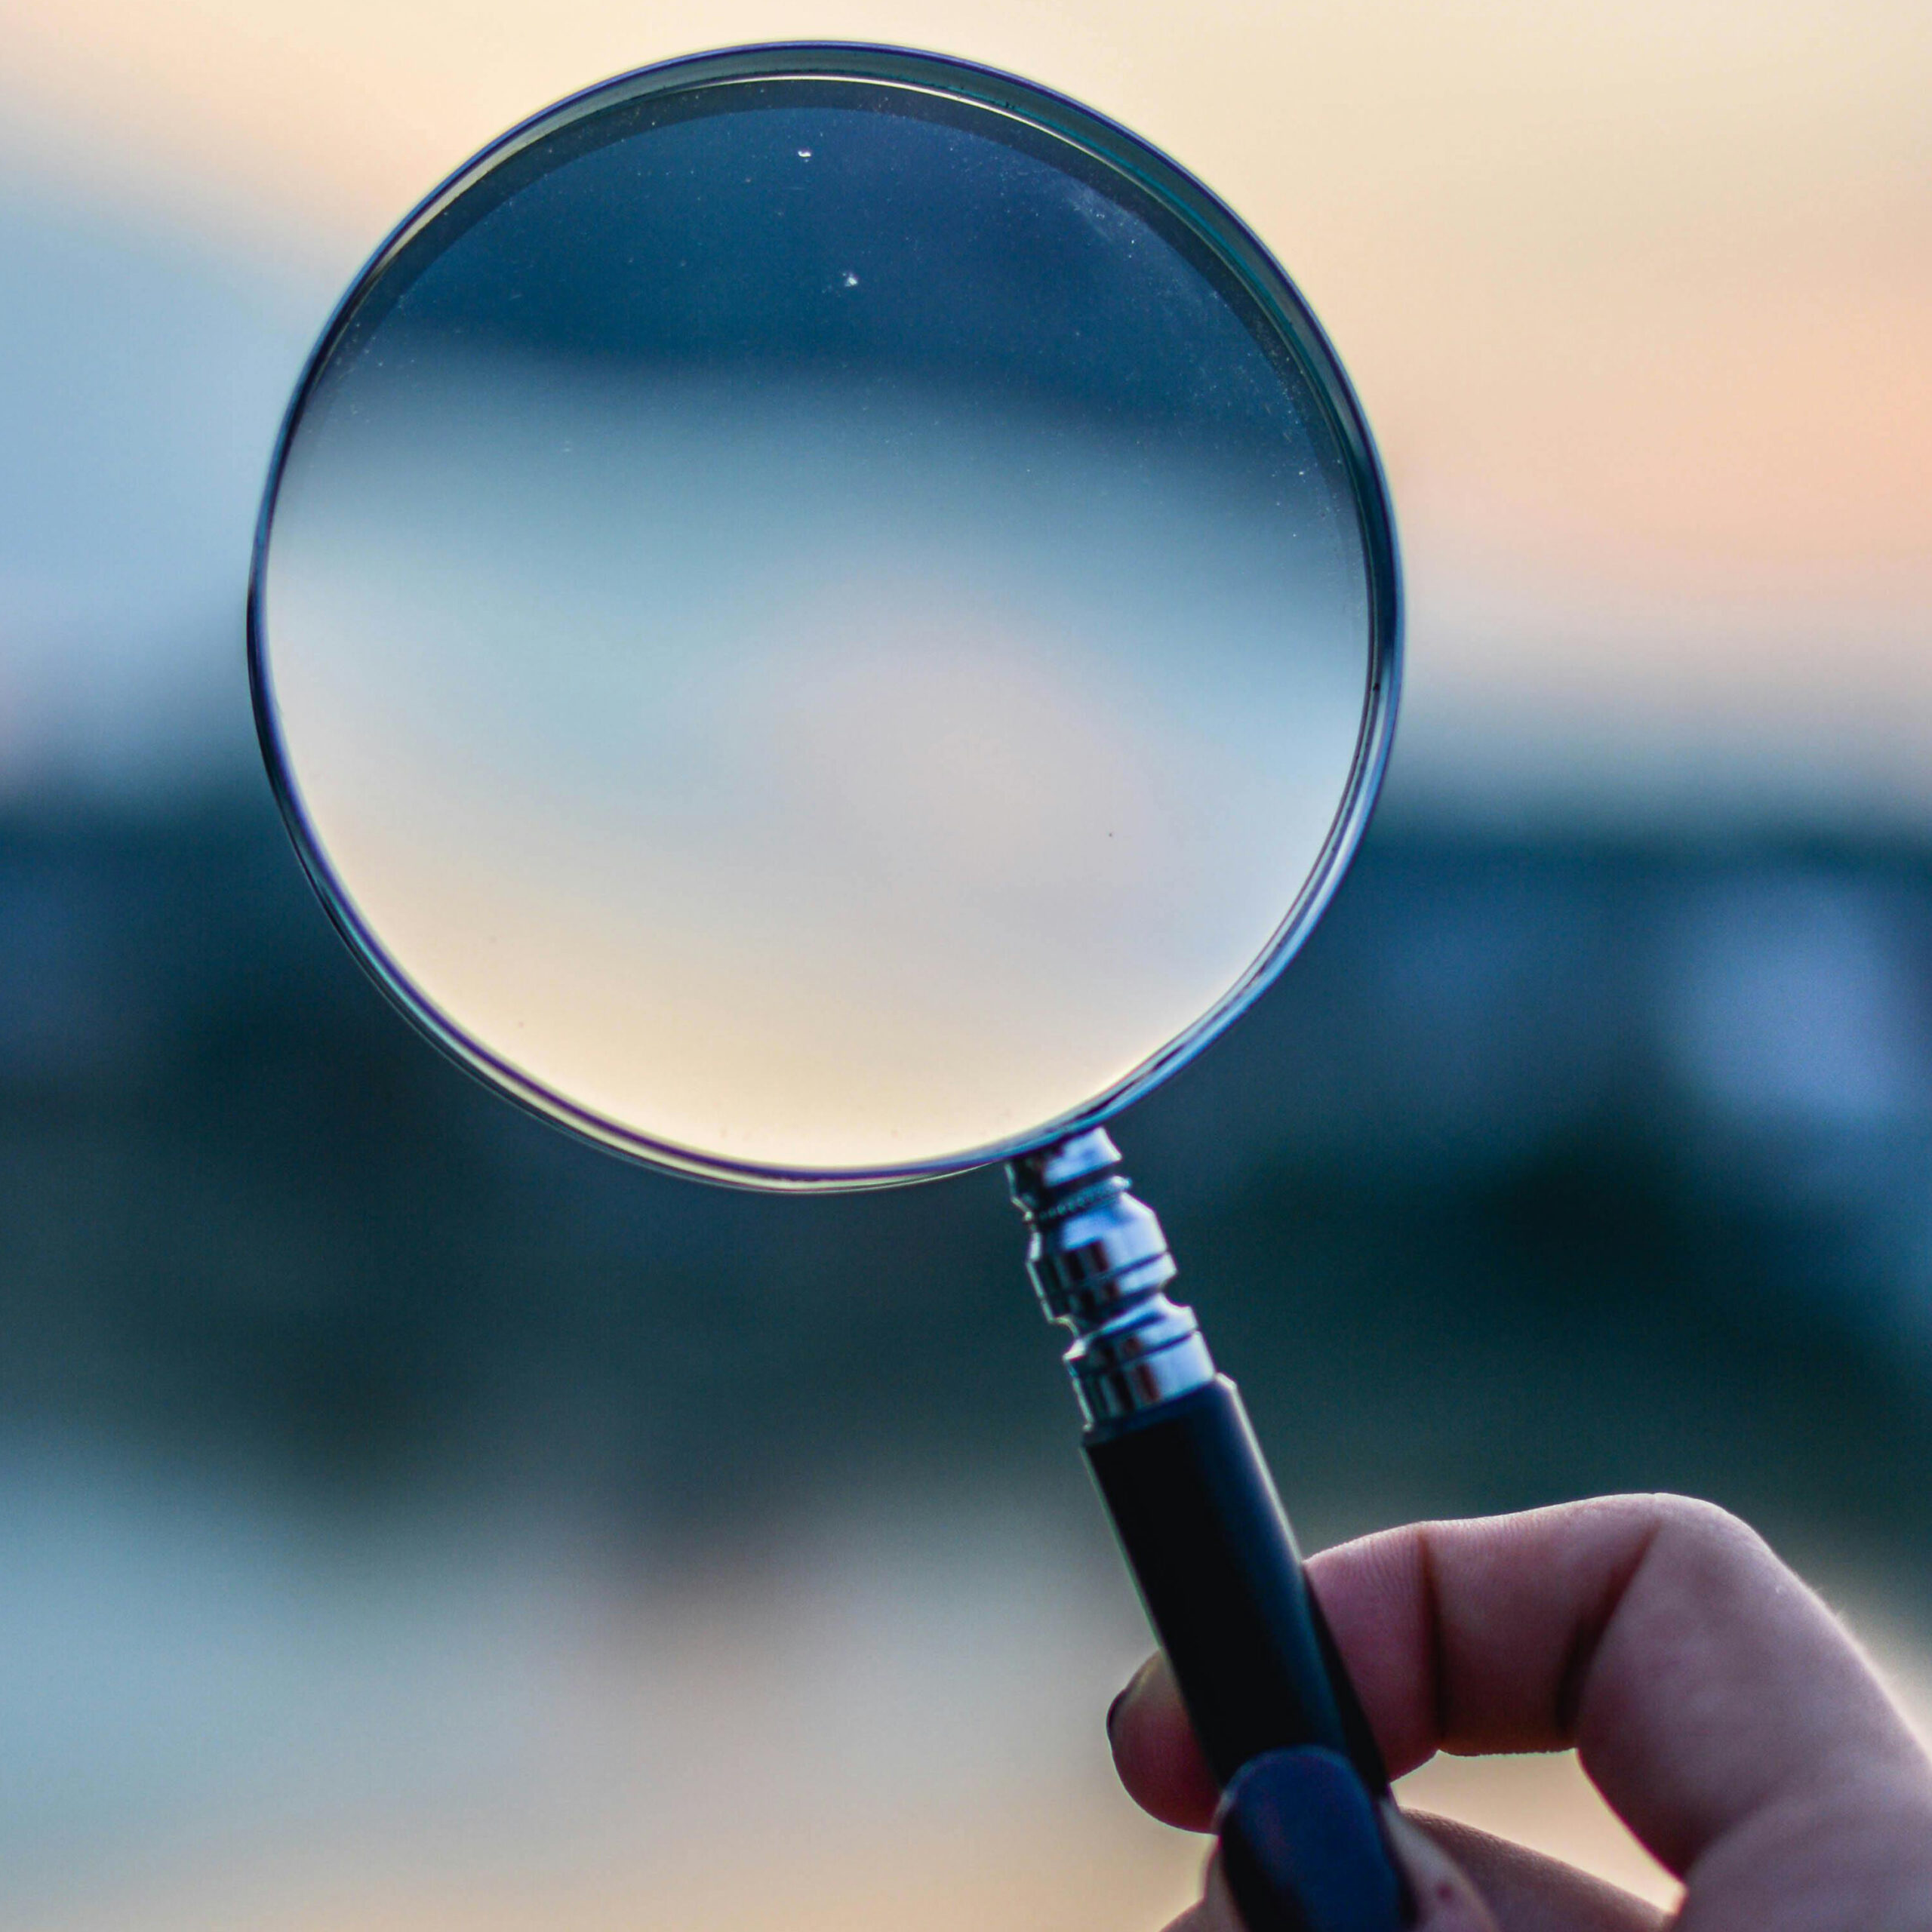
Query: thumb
{"x": 1440, "y": 1893}
{"x": 1304, "y": 1848}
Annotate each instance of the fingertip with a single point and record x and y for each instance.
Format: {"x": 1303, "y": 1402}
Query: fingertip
{"x": 1442, "y": 1898}
{"x": 1216, "y": 1912}
{"x": 1465, "y": 1878}
{"x": 1155, "y": 1753}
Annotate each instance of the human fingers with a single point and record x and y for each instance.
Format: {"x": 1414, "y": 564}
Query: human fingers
{"x": 1704, "y": 1683}
{"x": 1705, "y": 1688}
{"x": 1454, "y": 1873}
{"x": 1524, "y": 1891}
{"x": 1155, "y": 1751}
{"x": 1718, "y": 1703}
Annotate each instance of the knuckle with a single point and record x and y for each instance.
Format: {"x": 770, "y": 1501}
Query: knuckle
{"x": 1682, "y": 1530}
{"x": 1707, "y": 1535}
{"x": 1706, "y": 1522}
{"x": 1690, "y": 1517}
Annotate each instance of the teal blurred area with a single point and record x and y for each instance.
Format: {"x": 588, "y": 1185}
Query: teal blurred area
{"x": 1548, "y": 1168}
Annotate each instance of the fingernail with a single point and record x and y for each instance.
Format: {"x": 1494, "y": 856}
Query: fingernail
{"x": 1125, "y": 1692}
{"x": 1302, "y": 1849}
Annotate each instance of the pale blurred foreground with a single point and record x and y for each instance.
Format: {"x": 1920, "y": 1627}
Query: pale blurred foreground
{"x": 209, "y": 1717}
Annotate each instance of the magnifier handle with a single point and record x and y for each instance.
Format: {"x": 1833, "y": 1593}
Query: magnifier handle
{"x": 1209, "y": 1546}
{"x": 1177, "y": 1463}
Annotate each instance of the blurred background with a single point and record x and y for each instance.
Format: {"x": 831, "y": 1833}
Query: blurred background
{"x": 409, "y": 1518}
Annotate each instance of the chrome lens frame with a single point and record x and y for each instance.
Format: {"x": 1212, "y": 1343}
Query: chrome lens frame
{"x": 1210, "y": 224}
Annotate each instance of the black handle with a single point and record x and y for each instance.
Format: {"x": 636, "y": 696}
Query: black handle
{"x": 1209, "y": 1546}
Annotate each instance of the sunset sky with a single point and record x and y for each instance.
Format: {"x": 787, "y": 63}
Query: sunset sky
{"x": 1638, "y": 299}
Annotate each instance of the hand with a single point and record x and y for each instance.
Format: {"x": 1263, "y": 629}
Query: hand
{"x": 1718, "y": 1704}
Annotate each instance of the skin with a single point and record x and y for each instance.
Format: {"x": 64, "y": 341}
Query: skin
{"x": 1719, "y": 1706}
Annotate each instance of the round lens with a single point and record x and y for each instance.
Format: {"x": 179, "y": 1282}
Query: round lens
{"x": 823, "y": 615}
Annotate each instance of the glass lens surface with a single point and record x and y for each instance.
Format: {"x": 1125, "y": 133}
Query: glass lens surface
{"x": 814, "y": 627}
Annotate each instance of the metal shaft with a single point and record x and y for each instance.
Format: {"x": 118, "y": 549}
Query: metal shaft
{"x": 1100, "y": 1263}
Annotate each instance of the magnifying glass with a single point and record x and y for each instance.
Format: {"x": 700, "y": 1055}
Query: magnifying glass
{"x": 825, "y": 616}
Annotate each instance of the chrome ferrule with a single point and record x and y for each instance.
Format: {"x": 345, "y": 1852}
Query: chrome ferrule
{"x": 1100, "y": 1266}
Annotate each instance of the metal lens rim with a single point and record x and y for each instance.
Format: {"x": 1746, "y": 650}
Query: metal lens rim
{"x": 1212, "y": 223}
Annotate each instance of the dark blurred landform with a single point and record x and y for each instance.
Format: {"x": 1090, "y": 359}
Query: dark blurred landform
{"x": 1548, "y": 1168}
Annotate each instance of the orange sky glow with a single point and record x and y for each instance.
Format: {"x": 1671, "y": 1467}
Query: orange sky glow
{"x": 1638, "y": 298}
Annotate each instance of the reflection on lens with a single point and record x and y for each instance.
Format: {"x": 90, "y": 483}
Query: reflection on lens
{"x": 813, "y": 623}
